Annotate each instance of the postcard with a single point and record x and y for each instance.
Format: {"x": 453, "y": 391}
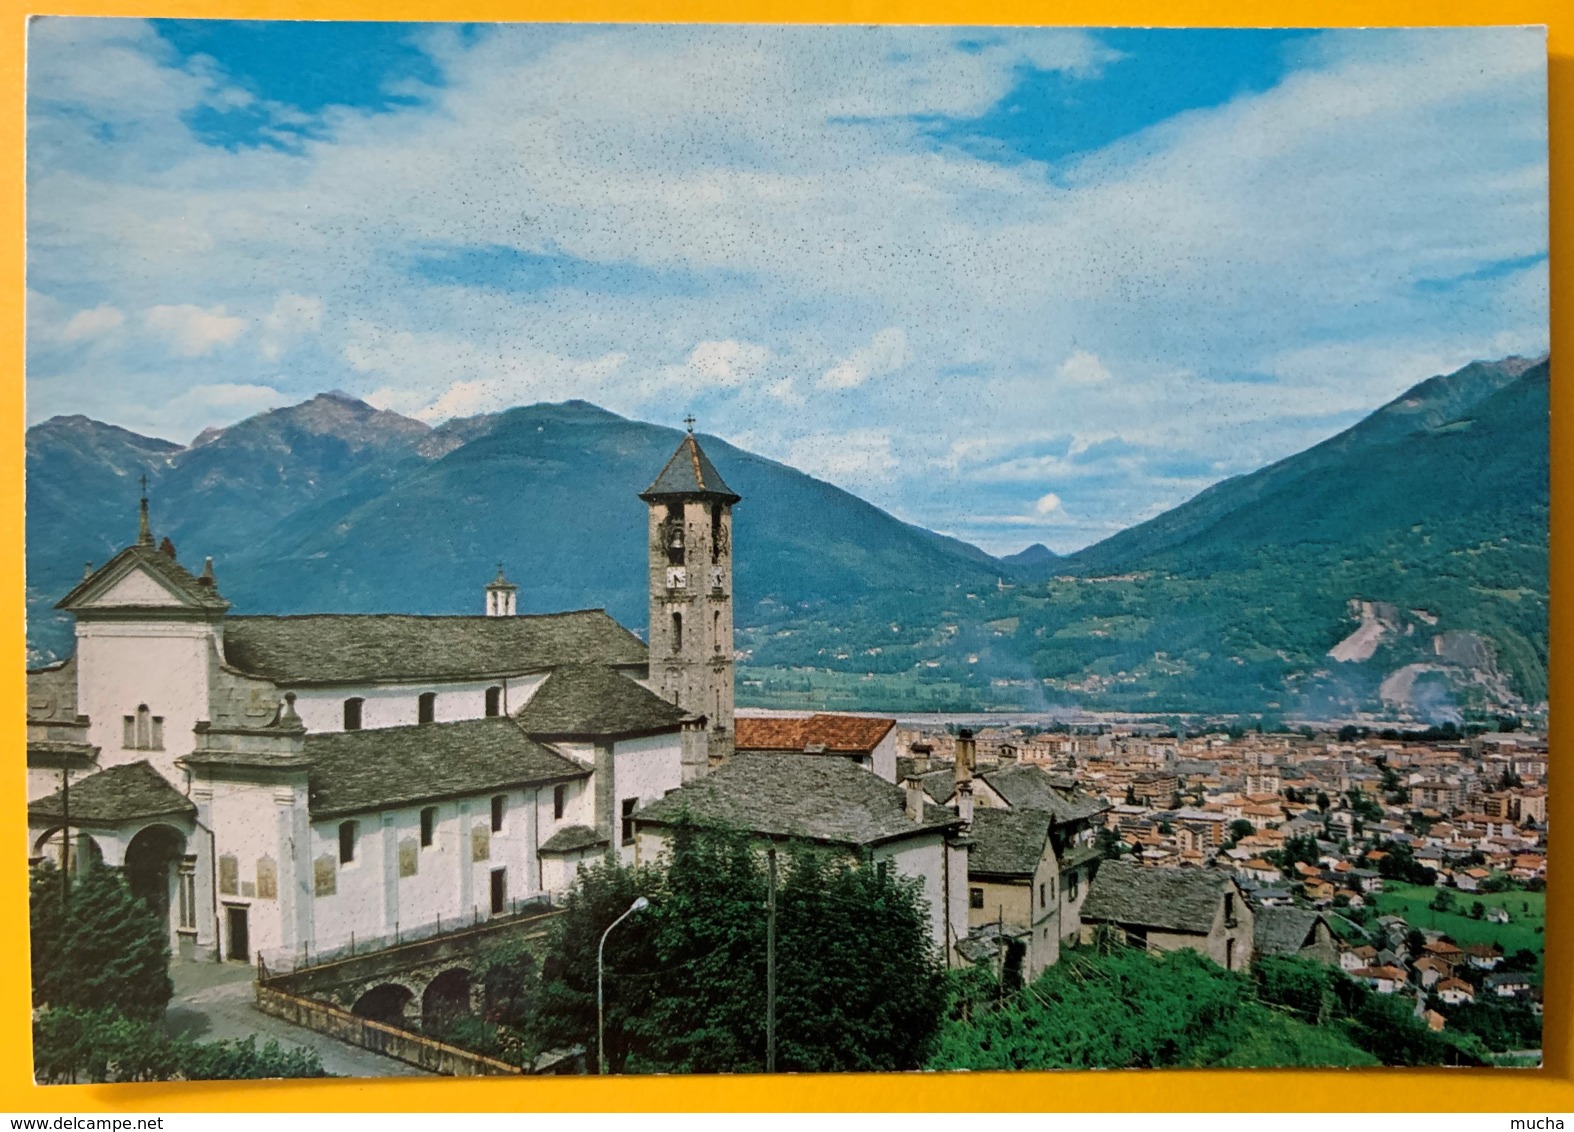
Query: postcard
{"x": 628, "y": 549}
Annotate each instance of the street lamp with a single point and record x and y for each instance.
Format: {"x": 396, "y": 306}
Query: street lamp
{"x": 639, "y": 905}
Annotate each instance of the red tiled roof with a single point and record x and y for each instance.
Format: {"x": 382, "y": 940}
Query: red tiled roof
{"x": 843, "y": 734}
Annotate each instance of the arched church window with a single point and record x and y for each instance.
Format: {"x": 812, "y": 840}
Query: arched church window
{"x": 715, "y": 628}
{"x": 352, "y": 713}
{"x": 494, "y": 701}
{"x": 347, "y": 842}
{"x": 426, "y": 707}
{"x": 677, "y": 632}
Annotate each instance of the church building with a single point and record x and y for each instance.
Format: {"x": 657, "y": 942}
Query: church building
{"x": 302, "y": 785}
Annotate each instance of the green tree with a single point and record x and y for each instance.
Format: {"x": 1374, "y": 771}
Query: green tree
{"x": 859, "y": 985}
{"x": 99, "y": 949}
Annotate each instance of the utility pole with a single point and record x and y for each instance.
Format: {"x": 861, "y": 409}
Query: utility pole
{"x": 65, "y": 838}
{"x": 770, "y": 962}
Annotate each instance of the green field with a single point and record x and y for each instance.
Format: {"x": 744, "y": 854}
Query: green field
{"x": 1524, "y": 930}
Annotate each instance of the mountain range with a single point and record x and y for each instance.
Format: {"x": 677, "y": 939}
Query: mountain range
{"x": 1435, "y": 506}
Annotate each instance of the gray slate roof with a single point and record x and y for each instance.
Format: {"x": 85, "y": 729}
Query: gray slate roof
{"x": 194, "y": 591}
{"x": 797, "y": 796}
{"x": 379, "y": 768}
{"x": 123, "y": 793}
{"x": 689, "y": 475}
{"x": 572, "y": 838}
{"x": 1007, "y": 843}
{"x": 1025, "y": 786}
{"x": 1283, "y": 931}
{"x": 592, "y": 700}
{"x": 333, "y": 648}
{"x": 1182, "y": 900}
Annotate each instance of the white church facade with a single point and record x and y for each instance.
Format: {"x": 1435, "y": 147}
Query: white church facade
{"x": 291, "y": 786}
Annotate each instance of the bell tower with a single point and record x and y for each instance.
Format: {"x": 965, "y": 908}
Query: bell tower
{"x": 691, "y": 661}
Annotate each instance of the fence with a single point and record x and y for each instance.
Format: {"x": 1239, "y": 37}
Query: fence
{"x": 390, "y": 1041}
{"x": 278, "y": 961}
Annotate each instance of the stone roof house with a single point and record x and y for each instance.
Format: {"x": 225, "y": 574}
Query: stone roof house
{"x": 1166, "y": 909}
{"x": 1294, "y": 931}
{"x": 832, "y": 803}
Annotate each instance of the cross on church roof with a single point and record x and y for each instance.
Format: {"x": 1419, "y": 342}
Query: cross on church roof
{"x": 689, "y": 420}
{"x": 144, "y": 481}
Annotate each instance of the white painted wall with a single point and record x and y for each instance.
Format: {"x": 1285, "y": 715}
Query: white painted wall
{"x": 251, "y": 821}
{"x": 373, "y": 900}
{"x": 923, "y": 857}
{"x": 647, "y": 768}
{"x": 124, "y": 664}
{"x": 396, "y": 705}
{"x": 884, "y": 756}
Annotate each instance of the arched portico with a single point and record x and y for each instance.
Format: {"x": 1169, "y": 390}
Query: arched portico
{"x": 85, "y": 850}
{"x": 153, "y": 857}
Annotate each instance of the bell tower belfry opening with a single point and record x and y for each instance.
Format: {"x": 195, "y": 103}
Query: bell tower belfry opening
{"x": 691, "y": 655}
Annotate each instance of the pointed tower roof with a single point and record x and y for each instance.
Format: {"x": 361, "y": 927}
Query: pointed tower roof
{"x": 689, "y": 475}
{"x": 500, "y": 582}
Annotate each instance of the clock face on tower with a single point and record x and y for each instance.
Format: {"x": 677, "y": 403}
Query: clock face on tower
{"x": 677, "y": 578}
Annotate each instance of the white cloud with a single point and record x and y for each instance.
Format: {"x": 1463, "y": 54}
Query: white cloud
{"x": 92, "y": 323}
{"x": 799, "y": 202}
{"x": 292, "y": 318}
{"x": 885, "y": 353}
{"x": 1083, "y": 368}
{"x": 193, "y": 332}
{"x": 726, "y": 365}
{"x": 1047, "y": 504}
{"x": 850, "y": 459}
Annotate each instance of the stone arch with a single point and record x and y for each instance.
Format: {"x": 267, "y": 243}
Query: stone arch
{"x": 153, "y": 856}
{"x": 388, "y": 1003}
{"x": 85, "y": 850}
{"x": 446, "y": 998}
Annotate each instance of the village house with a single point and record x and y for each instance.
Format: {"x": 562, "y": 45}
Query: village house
{"x": 1013, "y": 874}
{"x": 867, "y": 741}
{"x": 1168, "y": 909}
{"x": 1454, "y": 991}
{"x": 836, "y": 805}
{"x": 1294, "y": 931}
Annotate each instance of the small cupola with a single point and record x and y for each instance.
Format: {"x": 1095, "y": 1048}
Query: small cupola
{"x": 501, "y": 596}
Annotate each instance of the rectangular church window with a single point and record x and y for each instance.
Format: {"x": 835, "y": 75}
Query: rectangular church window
{"x": 499, "y": 808}
{"x": 628, "y": 820}
{"x": 499, "y": 890}
{"x": 428, "y": 826}
{"x": 347, "y": 832}
{"x": 128, "y": 738}
{"x": 559, "y": 801}
{"x": 426, "y": 707}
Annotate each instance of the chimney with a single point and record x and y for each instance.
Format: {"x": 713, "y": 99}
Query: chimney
{"x": 964, "y": 802}
{"x": 966, "y": 752}
{"x": 921, "y": 752}
{"x": 914, "y": 788}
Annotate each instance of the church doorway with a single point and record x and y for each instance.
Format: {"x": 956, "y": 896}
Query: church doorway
{"x": 152, "y": 866}
{"x": 238, "y": 931}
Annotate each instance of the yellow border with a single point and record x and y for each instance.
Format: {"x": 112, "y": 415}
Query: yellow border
{"x": 1548, "y": 1090}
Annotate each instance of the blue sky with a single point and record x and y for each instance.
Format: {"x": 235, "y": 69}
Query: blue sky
{"x": 1016, "y": 285}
